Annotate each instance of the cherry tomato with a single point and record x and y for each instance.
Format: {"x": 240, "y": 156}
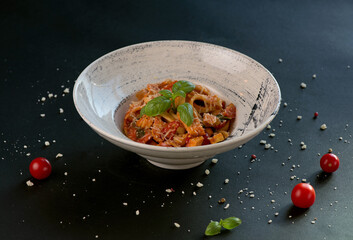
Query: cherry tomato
{"x": 329, "y": 162}
{"x": 303, "y": 195}
{"x": 40, "y": 168}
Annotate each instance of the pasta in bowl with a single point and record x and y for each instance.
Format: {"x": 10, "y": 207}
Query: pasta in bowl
{"x": 234, "y": 98}
{"x": 178, "y": 114}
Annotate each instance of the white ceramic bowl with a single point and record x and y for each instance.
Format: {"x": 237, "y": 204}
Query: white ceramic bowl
{"x": 104, "y": 89}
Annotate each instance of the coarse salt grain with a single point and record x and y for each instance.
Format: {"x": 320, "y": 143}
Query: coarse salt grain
{"x": 299, "y": 117}
{"x": 125, "y": 203}
{"x": 269, "y": 221}
{"x": 214, "y": 160}
{"x": 47, "y": 143}
{"x": 66, "y": 90}
{"x": 177, "y": 225}
{"x": 61, "y": 110}
{"x": 323, "y": 126}
{"x": 207, "y": 172}
{"x": 137, "y": 212}
{"x": 42, "y": 115}
{"x": 29, "y": 183}
{"x": 43, "y": 99}
{"x": 267, "y": 146}
{"x": 59, "y": 155}
{"x": 227, "y": 206}
{"x": 263, "y": 142}
{"x": 303, "y": 85}
{"x": 272, "y": 135}
{"x": 226, "y": 181}
{"x": 168, "y": 190}
{"x": 199, "y": 185}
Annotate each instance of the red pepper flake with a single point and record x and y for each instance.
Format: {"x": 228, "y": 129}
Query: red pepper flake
{"x": 253, "y": 156}
{"x": 171, "y": 189}
{"x": 316, "y": 114}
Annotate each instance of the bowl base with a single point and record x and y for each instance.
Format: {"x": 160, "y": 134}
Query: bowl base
{"x": 173, "y": 166}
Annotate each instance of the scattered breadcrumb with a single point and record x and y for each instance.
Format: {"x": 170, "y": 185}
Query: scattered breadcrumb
{"x": 263, "y": 142}
{"x": 61, "y": 110}
{"x": 66, "y": 90}
{"x": 303, "y": 85}
{"x": 227, "y": 206}
{"x": 177, "y": 225}
{"x": 214, "y": 160}
{"x": 299, "y": 117}
{"x": 207, "y": 172}
{"x": 280, "y": 60}
{"x": 168, "y": 190}
{"x": 222, "y": 200}
{"x": 323, "y": 126}
{"x": 47, "y": 143}
{"x": 42, "y": 115}
{"x": 43, "y": 99}
{"x": 125, "y": 203}
{"x": 59, "y": 155}
{"x": 269, "y": 221}
{"x": 226, "y": 181}
{"x": 314, "y": 76}
{"x": 137, "y": 212}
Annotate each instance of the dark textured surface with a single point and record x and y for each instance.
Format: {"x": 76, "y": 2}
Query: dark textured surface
{"x": 44, "y": 45}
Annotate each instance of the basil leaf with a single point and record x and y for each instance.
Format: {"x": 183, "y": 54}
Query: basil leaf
{"x": 180, "y": 93}
{"x": 157, "y": 106}
{"x": 230, "y": 223}
{"x": 166, "y": 93}
{"x": 142, "y": 111}
{"x": 184, "y": 86}
{"x": 186, "y": 113}
{"x": 213, "y": 228}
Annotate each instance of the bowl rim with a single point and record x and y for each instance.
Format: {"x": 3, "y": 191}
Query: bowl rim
{"x": 127, "y": 141}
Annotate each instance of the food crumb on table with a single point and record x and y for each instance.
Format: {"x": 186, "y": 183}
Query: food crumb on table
{"x": 29, "y": 183}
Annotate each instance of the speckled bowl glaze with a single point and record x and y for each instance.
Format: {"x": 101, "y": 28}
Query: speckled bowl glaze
{"x": 104, "y": 89}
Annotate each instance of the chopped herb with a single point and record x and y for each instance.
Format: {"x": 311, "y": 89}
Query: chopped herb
{"x": 215, "y": 227}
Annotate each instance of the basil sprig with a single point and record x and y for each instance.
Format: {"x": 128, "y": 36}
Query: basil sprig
{"x": 215, "y": 227}
{"x": 162, "y": 103}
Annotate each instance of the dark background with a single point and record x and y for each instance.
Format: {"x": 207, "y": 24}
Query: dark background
{"x": 44, "y": 45}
